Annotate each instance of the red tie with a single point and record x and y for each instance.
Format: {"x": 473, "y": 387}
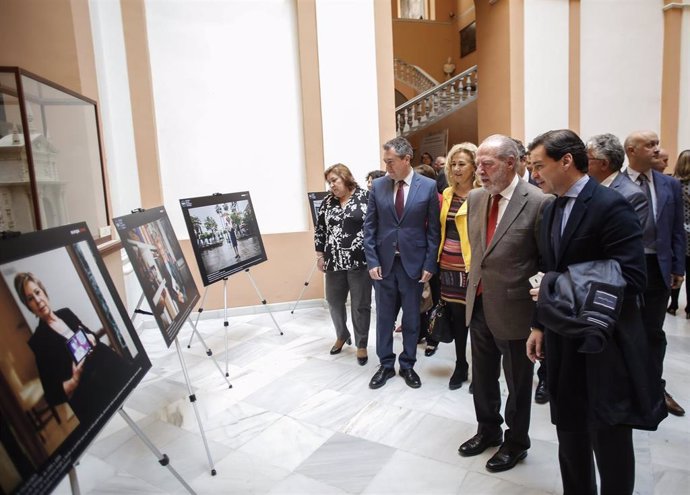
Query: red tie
{"x": 490, "y": 227}
{"x": 400, "y": 199}
{"x": 493, "y": 218}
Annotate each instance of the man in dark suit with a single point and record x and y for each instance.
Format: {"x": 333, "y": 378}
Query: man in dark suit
{"x": 401, "y": 238}
{"x": 664, "y": 242}
{"x": 595, "y": 397}
{"x": 502, "y": 219}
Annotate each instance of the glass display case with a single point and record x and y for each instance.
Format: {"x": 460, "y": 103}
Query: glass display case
{"x": 51, "y": 162}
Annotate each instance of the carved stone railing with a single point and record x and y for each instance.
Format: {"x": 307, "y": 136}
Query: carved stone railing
{"x": 435, "y": 103}
{"x": 413, "y": 76}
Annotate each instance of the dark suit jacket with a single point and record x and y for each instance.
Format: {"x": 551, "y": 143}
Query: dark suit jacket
{"x": 633, "y": 194}
{"x": 670, "y": 230}
{"x": 417, "y": 233}
{"x": 103, "y": 374}
{"x": 616, "y": 386}
{"x": 504, "y": 266}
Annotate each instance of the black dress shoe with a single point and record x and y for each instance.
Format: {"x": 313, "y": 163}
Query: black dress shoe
{"x": 381, "y": 377}
{"x": 672, "y": 311}
{"x": 541, "y": 395}
{"x": 430, "y": 350}
{"x": 478, "y": 444}
{"x": 505, "y": 459}
{"x": 411, "y": 378}
{"x": 457, "y": 378}
{"x": 362, "y": 357}
{"x": 338, "y": 346}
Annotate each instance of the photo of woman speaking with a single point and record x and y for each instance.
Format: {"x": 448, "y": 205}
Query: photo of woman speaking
{"x": 338, "y": 240}
{"x": 73, "y": 365}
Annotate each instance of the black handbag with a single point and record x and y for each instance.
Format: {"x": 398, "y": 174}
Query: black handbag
{"x": 440, "y": 326}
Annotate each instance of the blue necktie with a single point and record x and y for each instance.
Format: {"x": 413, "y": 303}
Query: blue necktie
{"x": 557, "y": 224}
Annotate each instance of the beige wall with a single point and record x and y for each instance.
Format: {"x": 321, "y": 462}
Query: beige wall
{"x": 670, "y": 84}
{"x": 426, "y": 44}
{"x": 500, "y": 59}
{"x": 52, "y": 39}
{"x": 40, "y": 36}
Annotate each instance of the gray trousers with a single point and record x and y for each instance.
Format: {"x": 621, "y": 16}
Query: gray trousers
{"x": 358, "y": 283}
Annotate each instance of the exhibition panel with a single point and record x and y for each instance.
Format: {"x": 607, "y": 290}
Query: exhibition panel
{"x": 224, "y": 233}
{"x": 70, "y": 355}
{"x": 162, "y": 271}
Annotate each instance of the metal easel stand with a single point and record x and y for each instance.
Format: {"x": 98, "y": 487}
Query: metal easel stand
{"x": 209, "y": 352}
{"x": 192, "y": 396}
{"x": 306, "y": 284}
{"x": 74, "y": 481}
{"x": 192, "y": 399}
{"x": 263, "y": 301}
{"x": 225, "y": 320}
{"x": 163, "y": 459}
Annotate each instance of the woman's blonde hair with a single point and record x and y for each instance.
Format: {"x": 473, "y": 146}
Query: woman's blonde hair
{"x": 471, "y": 150}
{"x": 23, "y": 278}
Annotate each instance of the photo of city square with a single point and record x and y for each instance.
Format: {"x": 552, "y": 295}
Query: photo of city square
{"x": 226, "y": 238}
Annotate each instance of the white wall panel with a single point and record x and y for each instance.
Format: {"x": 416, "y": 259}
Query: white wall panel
{"x": 349, "y": 95}
{"x": 546, "y": 66}
{"x": 621, "y": 50}
{"x": 116, "y": 112}
{"x": 228, "y": 107}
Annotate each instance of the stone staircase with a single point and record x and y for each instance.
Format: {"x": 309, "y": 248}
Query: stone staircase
{"x": 435, "y": 102}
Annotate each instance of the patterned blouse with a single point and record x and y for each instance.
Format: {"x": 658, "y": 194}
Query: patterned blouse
{"x": 685, "y": 185}
{"x": 339, "y": 231}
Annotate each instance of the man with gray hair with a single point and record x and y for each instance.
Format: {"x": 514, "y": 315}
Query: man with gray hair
{"x": 503, "y": 221}
{"x": 605, "y": 155}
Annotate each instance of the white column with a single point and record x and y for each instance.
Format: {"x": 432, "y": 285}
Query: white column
{"x": 226, "y": 87}
{"x": 546, "y": 66}
{"x": 117, "y": 132}
{"x": 621, "y": 50}
{"x": 349, "y": 94}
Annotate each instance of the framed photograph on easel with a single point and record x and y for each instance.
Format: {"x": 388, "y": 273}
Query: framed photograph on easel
{"x": 69, "y": 356}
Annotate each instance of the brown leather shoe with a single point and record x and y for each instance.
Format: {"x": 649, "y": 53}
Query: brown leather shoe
{"x": 672, "y": 406}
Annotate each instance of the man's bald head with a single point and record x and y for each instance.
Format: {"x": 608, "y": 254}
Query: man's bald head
{"x": 642, "y": 149}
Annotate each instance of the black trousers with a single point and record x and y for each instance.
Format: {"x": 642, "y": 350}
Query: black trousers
{"x": 654, "y": 312}
{"x": 675, "y": 293}
{"x": 613, "y": 447}
{"x": 460, "y": 331}
{"x": 487, "y": 353}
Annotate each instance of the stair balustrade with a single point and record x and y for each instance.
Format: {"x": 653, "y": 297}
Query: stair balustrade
{"x": 436, "y": 102}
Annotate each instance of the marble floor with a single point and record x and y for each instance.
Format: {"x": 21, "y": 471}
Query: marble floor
{"x": 300, "y": 421}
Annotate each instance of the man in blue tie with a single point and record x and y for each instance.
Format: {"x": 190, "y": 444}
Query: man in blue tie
{"x": 401, "y": 238}
{"x": 664, "y": 243}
